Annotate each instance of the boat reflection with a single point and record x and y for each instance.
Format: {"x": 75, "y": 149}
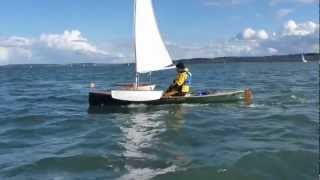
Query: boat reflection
{"x": 176, "y": 118}
{"x": 146, "y": 138}
{"x": 141, "y": 139}
{"x": 171, "y": 115}
{"x": 140, "y": 132}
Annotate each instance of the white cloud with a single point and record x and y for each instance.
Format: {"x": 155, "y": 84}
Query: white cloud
{"x": 15, "y": 48}
{"x": 70, "y": 40}
{"x": 4, "y": 55}
{"x": 15, "y": 41}
{"x": 291, "y": 28}
{"x": 283, "y": 12}
{"x": 307, "y": 1}
{"x": 275, "y": 2}
{"x": 221, "y": 48}
{"x": 72, "y": 47}
{"x": 68, "y": 47}
{"x": 225, "y": 2}
{"x": 293, "y": 38}
{"x": 262, "y": 34}
{"x": 272, "y": 51}
{"x": 250, "y": 34}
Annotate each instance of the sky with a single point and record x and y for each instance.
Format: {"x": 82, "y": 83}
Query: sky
{"x": 100, "y": 31}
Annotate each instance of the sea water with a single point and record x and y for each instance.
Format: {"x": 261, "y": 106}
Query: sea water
{"x": 47, "y": 133}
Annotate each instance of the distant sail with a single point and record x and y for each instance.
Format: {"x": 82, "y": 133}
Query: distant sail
{"x": 151, "y": 52}
{"x": 303, "y": 59}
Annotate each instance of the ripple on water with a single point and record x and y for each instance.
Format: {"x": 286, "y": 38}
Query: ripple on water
{"x": 71, "y": 166}
{"x": 47, "y": 132}
{"x": 263, "y": 166}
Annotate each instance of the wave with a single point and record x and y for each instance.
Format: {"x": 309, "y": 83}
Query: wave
{"x": 282, "y": 165}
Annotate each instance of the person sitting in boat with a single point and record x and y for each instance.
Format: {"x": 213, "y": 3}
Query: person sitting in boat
{"x": 181, "y": 85}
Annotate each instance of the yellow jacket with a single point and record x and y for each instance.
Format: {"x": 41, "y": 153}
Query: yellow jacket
{"x": 180, "y": 81}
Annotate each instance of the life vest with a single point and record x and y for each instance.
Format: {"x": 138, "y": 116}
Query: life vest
{"x": 188, "y": 81}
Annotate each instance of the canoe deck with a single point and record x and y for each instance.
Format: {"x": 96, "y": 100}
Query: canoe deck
{"x": 105, "y": 98}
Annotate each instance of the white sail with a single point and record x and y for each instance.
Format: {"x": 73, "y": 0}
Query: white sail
{"x": 151, "y": 53}
{"x": 303, "y": 58}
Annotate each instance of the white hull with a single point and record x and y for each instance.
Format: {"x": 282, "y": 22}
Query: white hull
{"x": 147, "y": 87}
{"x": 136, "y": 95}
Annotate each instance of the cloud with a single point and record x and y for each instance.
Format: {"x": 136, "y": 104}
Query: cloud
{"x": 14, "y": 48}
{"x": 272, "y": 51}
{"x": 68, "y": 47}
{"x": 70, "y": 41}
{"x": 307, "y": 1}
{"x": 225, "y": 2}
{"x": 247, "y": 34}
{"x": 292, "y": 38}
{"x": 4, "y": 55}
{"x": 275, "y": 2}
{"x": 291, "y": 28}
{"x": 283, "y": 13}
{"x": 262, "y": 34}
{"x": 232, "y": 47}
{"x": 72, "y": 47}
{"x": 250, "y": 34}
{"x": 14, "y": 41}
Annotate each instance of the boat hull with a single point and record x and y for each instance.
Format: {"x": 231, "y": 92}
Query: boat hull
{"x": 101, "y": 99}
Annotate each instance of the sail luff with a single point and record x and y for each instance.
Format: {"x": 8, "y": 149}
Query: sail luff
{"x": 134, "y": 43}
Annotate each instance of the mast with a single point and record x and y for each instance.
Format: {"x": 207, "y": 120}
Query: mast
{"x": 134, "y": 43}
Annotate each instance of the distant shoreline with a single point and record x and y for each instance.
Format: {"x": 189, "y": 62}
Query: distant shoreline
{"x": 311, "y": 57}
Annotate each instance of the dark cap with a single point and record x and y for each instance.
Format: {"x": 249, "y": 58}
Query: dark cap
{"x": 180, "y": 66}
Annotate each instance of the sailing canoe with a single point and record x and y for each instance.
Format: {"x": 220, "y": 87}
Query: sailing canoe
{"x": 100, "y": 99}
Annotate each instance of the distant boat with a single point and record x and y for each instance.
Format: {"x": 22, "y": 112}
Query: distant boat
{"x": 303, "y": 59}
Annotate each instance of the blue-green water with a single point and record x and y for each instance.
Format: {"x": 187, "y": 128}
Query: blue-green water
{"x": 47, "y": 133}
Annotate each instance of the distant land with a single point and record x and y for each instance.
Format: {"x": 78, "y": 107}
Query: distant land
{"x": 311, "y": 57}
